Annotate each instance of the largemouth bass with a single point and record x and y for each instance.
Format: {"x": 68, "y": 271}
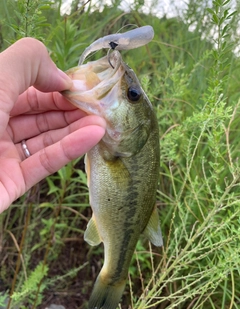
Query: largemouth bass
{"x": 122, "y": 169}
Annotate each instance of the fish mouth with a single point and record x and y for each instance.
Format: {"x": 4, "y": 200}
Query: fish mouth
{"x": 94, "y": 87}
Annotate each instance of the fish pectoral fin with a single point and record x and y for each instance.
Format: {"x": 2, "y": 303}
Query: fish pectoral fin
{"x": 91, "y": 234}
{"x": 153, "y": 230}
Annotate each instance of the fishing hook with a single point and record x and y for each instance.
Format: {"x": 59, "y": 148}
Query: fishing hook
{"x": 113, "y": 45}
{"x": 109, "y": 57}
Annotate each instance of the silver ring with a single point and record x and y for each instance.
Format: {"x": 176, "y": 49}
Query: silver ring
{"x": 25, "y": 149}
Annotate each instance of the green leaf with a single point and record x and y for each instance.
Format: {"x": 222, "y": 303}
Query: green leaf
{"x": 31, "y": 284}
{"x": 52, "y": 187}
{"x": 211, "y": 11}
{"x": 225, "y": 2}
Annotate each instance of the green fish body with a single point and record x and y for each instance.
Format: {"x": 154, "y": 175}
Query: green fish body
{"x": 122, "y": 170}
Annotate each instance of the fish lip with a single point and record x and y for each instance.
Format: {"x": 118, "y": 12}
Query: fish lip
{"x": 90, "y": 100}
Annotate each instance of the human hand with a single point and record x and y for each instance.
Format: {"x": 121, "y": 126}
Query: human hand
{"x": 55, "y": 131}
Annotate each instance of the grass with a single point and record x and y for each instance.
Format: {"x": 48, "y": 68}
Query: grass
{"x": 191, "y": 77}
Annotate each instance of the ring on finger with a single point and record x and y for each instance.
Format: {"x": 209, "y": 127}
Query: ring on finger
{"x": 25, "y": 149}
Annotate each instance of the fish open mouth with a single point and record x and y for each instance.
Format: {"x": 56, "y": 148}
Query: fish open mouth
{"x": 92, "y": 82}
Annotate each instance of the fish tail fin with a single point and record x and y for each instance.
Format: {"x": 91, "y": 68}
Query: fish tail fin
{"x": 106, "y": 296}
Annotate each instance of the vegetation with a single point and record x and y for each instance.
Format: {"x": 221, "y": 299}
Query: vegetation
{"x": 191, "y": 74}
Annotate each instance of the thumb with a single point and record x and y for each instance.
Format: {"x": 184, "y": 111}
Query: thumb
{"x": 27, "y": 63}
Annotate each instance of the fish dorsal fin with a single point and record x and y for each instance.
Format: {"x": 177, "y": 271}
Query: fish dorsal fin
{"x": 91, "y": 234}
{"x": 153, "y": 230}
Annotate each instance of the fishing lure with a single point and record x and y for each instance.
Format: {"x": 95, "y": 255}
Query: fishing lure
{"x": 120, "y": 41}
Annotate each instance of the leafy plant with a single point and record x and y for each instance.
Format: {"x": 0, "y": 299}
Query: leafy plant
{"x": 190, "y": 72}
{"x": 31, "y": 285}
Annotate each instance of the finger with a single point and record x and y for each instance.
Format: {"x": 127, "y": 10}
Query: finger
{"x": 54, "y": 157}
{"x": 28, "y": 63}
{"x": 24, "y": 64}
{"x": 35, "y": 101}
{"x": 51, "y": 137}
{"x": 27, "y": 126}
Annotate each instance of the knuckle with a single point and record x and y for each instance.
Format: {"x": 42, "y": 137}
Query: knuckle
{"x": 42, "y": 123}
{"x": 66, "y": 152}
{"x": 47, "y": 139}
{"x": 32, "y": 98}
{"x": 46, "y": 161}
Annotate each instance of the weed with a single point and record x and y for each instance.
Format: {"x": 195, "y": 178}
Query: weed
{"x": 190, "y": 72}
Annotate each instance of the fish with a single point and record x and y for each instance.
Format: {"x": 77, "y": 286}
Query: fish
{"x": 122, "y": 169}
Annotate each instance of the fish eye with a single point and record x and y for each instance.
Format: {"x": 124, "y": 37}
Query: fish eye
{"x": 134, "y": 94}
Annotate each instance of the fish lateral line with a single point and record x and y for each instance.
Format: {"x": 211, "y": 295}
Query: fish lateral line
{"x": 120, "y": 41}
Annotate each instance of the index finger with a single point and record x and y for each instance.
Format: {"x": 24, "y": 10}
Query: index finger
{"x": 35, "y": 101}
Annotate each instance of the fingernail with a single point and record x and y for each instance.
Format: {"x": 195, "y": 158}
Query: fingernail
{"x": 67, "y": 80}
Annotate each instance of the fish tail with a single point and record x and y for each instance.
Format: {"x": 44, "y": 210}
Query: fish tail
{"x": 106, "y": 296}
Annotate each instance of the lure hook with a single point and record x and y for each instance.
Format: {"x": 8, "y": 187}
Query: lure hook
{"x": 109, "y": 57}
{"x": 113, "y": 45}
